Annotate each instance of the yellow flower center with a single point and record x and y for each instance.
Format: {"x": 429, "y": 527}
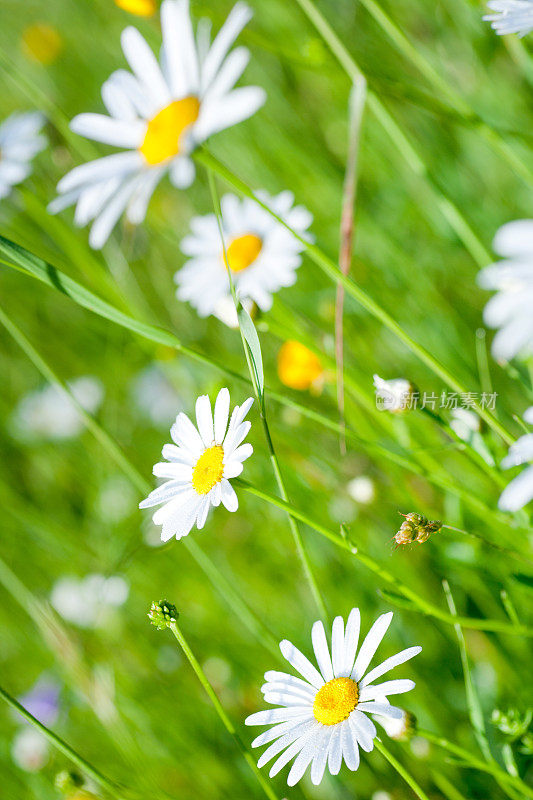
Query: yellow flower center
{"x": 208, "y": 469}
{"x": 143, "y": 8}
{"x": 298, "y": 367}
{"x": 335, "y": 701}
{"x": 42, "y": 43}
{"x": 243, "y": 250}
{"x": 165, "y": 131}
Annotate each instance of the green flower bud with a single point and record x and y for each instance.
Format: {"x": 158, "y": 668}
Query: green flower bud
{"x": 416, "y": 528}
{"x": 162, "y": 614}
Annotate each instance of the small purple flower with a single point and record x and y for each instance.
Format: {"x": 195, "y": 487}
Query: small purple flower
{"x": 42, "y": 701}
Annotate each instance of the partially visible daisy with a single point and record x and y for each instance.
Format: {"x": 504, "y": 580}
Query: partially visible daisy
{"x": 20, "y": 141}
{"x": 30, "y": 750}
{"x": 512, "y": 16}
{"x": 49, "y": 413}
{"x": 160, "y": 112}
{"x": 199, "y": 466}
{"x": 520, "y": 491}
{"x": 512, "y": 279}
{"x": 88, "y": 601}
{"x": 42, "y": 43}
{"x": 394, "y": 395}
{"x": 263, "y": 255}
{"x": 299, "y": 368}
{"x": 142, "y": 8}
{"x": 400, "y": 729}
{"x": 323, "y": 716}
{"x": 362, "y": 489}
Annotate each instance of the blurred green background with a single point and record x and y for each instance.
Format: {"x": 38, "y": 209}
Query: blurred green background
{"x": 129, "y": 702}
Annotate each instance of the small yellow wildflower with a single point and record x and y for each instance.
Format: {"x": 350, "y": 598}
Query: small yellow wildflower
{"x": 298, "y": 367}
{"x": 142, "y": 8}
{"x": 42, "y": 43}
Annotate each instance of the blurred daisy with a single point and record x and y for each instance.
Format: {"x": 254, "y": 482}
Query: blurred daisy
{"x": 142, "y": 8}
{"x": 396, "y": 395}
{"x": 87, "y": 601}
{"x": 262, "y": 253}
{"x": 323, "y": 716}
{"x": 154, "y": 395}
{"x": 299, "y": 368}
{"x": 159, "y": 113}
{"x": 512, "y": 279}
{"x": 30, "y": 750}
{"x": 49, "y": 413}
{"x": 42, "y": 43}
{"x": 520, "y": 491}
{"x": 199, "y": 465}
{"x": 512, "y": 16}
{"x": 20, "y": 141}
{"x": 362, "y": 489}
{"x": 467, "y": 426}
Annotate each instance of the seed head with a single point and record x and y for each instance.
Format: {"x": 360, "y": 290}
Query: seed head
{"x": 416, "y": 528}
{"x": 162, "y": 614}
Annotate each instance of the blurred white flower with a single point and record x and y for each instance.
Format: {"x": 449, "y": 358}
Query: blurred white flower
{"x": 512, "y": 16}
{"x": 512, "y": 279}
{"x": 393, "y": 395}
{"x": 49, "y": 413}
{"x": 199, "y": 466}
{"x": 20, "y": 141}
{"x": 154, "y": 395}
{"x": 323, "y": 717}
{"x": 262, "y": 253}
{"x": 87, "y": 601}
{"x": 116, "y": 499}
{"x": 467, "y": 426}
{"x": 362, "y": 489}
{"x": 160, "y": 112}
{"x": 520, "y": 490}
{"x": 30, "y": 750}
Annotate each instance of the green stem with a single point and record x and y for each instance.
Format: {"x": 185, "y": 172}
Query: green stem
{"x": 119, "y": 792}
{"x": 261, "y": 400}
{"x": 226, "y": 721}
{"x": 476, "y": 763}
{"x": 400, "y": 769}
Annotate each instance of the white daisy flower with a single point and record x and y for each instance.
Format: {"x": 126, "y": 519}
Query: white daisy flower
{"x": 520, "y": 491}
{"x": 512, "y": 16}
{"x": 323, "y": 716}
{"x": 394, "y": 395}
{"x": 30, "y": 750}
{"x": 20, "y": 141}
{"x": 512, "y": 279}
{"x": 159, "y": 113}
{"x": 262, "y": 253}
{"x": 49, "y": 413}
{"x": 87, "y": 601}
{"x": 199, "y": 466}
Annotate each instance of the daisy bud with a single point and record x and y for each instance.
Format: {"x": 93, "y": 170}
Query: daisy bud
{"x": 416, "y": 528}
{"x": 162, "y": 614}
{"x": 401, "y": 730}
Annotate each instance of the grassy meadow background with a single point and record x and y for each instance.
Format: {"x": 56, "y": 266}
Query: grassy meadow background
{"x": 130, "y": 704}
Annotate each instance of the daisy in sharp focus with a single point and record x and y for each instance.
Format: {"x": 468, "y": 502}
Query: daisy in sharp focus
{"x": 323, "y": 716}
{"x": 512, "y": 16}
{"x": 159, "y": 112}
{"x": 520, "y": 491}
{"x": 20, "y": 141}
{"x": 199, "y": 465}
{"x": 512, "y": 279}
{"x": 263, "y": 255}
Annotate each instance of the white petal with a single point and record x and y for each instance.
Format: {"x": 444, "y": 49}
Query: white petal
{"x": 370, "y": 645}
{"x": 321, "y": 756}
{"x": 337, "y": 646}
{"x": 390, "y": 663}
{"x": 276, "y": 731}
{"x": 109, "y": 130}
{"x": 291, "y": 752}
{"x": 221, "y": 415}
{"x": 304, "y": 758}
{"x": 180, "y": 48}
{"x": 229, "y": 498}
{"x": 237, "y": 19}
{"x": 383, "y": 689}
{"x": 335, "y": 748}
{"x": 515, "y": 238}
{"x": 384, "y": 710}
{"x": 351, "y": 638}
{"x": 182, "y": 172}
{"x": 161, "y": 495}
{"x": 273, "y": 676}
{"x": 350, "y": 749}
{"x": 174, "y": 470}
{"x": 320, "y": 646}
{"x": 204, "y": 420}
{"x": 364, "y": 729}
{"x": 109, "y": 216}
{"x": 202, "y": 514}
{"x": 232, "y": 469}
{"x": 272, "y": 715}
{"x": 101, "y": 169}
{"x": 144, "y": 64}
{"x": 297, "y": 660}
{"x": 518, "y": 493}
{"x": 232, "y": 108}
{"x": 185, "y": 435}
{"x": 177, "y": 454}
{"x": 284, "y": 741}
